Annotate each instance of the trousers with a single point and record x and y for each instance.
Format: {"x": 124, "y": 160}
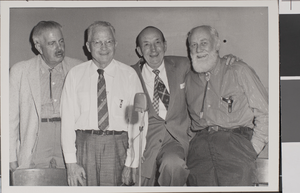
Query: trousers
{"x": 170, "y": 168}
{"x": 48, "y": 153}
{"x": 102, "y": 157}
{"x": 221, "y": 158}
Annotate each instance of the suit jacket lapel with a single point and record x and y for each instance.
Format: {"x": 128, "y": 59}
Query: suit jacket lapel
{"x": 138, "y": 67}
{"x": 172, "y": 81}
{"x": 34, "y": 83}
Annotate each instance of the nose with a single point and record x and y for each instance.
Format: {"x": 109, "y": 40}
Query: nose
{"x": 198, "y": 49}
{"x": 153, "y": 47}
{"x": 59, "y": 45}
{"x": 103, "y": 46}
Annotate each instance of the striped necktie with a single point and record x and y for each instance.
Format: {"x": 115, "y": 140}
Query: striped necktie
{"x": 160, "y": 92}
{"x": 102, "y": 102}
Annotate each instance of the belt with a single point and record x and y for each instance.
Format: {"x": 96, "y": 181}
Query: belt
{"x": 101, "y": 132}
{"x": 235, "y": 130}
{"x": 54, "y": 119}
{"x": 247, "y": 132}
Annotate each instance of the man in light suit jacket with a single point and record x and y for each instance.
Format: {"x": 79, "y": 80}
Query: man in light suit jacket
{"x": 35, "y": 88}
{"x": 166, "y": 139}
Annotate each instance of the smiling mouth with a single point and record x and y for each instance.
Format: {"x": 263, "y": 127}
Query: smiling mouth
{"x": 154, "y": 55}
{"x": 202, "y": 56}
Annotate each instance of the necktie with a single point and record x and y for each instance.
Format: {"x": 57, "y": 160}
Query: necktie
{"x": 160, "y": 92}
{"x": 102, "y": 102}
{"x": 207, "y": 77}
{"x": 50, "y": 81}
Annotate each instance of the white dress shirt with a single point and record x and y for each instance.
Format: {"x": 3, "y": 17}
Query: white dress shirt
{"x": 149, "y": 77}
{"x": 79, "y": 105}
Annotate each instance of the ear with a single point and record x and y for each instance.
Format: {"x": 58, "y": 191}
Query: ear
{"x": 217, "y": 44}
{"x": 88, "y": 46}
{"x": 116, "y": 43}
{"x": 38, "y": 47}
{"x": 138, "y": 49}
{"x": 165, "y": 46}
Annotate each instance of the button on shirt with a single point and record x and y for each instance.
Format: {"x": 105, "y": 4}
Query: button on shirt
{"x": 79, "y": 104}
{"x": 51, "y": 107}
{"x": 149, "y": 77}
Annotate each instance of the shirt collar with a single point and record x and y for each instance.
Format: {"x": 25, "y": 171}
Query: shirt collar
{"x": 161, "y": 69}
{"x": 108, "y": 70}
{"x": 45, "y": 68}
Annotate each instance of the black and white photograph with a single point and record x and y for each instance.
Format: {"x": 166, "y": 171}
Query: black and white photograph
{"x": 154, "y": 96}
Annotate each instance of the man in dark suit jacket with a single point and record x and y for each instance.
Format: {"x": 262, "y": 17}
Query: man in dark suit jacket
{"x": 166, "y": 140}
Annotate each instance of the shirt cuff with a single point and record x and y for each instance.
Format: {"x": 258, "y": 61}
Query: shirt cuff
{"x": 70, "y": 157}
{"x": 130, "y": 161}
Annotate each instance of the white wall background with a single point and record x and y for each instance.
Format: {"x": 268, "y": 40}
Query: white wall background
{"x": 243, "y": 31}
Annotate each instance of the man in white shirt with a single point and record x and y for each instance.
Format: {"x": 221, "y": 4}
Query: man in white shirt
{"x": 98, "y": 142}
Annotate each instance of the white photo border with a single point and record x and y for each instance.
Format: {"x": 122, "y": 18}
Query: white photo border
{"x": 273, "y": 91}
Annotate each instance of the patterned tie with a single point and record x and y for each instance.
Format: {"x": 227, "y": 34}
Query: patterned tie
{"x": 102, "y": 102}
{"x": 160, "y": 91}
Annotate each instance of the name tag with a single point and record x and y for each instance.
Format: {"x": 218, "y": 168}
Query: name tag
{"x": 182, "y": 86}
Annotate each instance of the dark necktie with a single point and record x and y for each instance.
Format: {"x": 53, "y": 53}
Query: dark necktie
{"x": 50, "y": 80}
{"x": 160, "y": 91}
{"x": 102, "y": 102}
{"x": 207, "y": 77}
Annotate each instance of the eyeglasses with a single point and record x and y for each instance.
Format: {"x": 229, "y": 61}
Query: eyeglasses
{"x": 107, "y": 43}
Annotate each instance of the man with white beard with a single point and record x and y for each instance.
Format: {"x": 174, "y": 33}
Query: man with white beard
{"x": 228, "y": 106}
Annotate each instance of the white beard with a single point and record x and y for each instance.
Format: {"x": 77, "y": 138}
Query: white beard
{"x": 204, "y": 62}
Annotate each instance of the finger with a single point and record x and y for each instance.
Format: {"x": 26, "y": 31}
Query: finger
{"x": 232, "y": 60}
{"x": 79, "y": 180}
{"x": 227, "y": 61}
{"x": 83, "y": 173}
{"x": 71, "y": 182}
{"x": 123, "y": 178}
{"x": 134, "y": 176}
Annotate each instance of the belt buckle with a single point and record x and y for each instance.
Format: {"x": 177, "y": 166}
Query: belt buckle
{"x": 103, "y": 133}
{"x": 213, "y": 128}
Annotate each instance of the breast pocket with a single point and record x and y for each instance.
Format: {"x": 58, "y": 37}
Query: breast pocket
{"x": 119, "y": 107}
{"x": 233, "y": 110}
{"x": 83, "y": 101}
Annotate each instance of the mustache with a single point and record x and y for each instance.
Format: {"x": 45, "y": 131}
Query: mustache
{"x": 59, "y": 52}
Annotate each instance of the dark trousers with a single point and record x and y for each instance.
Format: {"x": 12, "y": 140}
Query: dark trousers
{"x": 170, "y": 168}
{"x": 221, "y": 158}
{"x": 102, "y": 157}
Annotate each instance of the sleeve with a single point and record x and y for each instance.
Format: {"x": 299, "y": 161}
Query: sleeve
{"x": 136, "y": 119}
{"x": 14, "y": 111}
{"x": 258, "y": 102}
{"x": 67, "y": 109}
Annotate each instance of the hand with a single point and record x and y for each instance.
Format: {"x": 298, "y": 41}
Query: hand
{"x": 76, "y": 174}
{"x": 230, "y": 59}
{"x": 13, "y": 166}
{"x": 128, "y": 176}
{"x": 191, "y": 134}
